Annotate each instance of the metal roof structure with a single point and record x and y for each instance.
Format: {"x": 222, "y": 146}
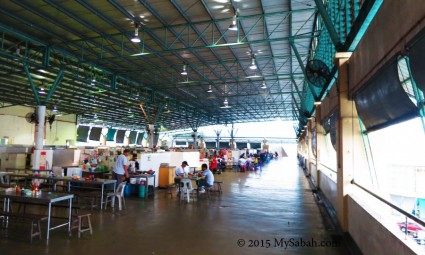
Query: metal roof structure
{"x": 244, "y": 59}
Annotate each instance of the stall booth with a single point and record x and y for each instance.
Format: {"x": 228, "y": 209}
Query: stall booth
{"x": 152, "y": 161}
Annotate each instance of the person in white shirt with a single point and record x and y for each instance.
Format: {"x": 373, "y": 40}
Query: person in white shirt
{"x": 242, "y": 164}
{"x": 182, "y": 169}
{"x": 121, "y": 167}
{"x": 208, "y": 181}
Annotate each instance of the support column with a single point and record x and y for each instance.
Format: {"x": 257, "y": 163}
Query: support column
{"x": 41, "y": 159}
{"x": 195, "y": 135}
{"x": 232, "y": 144}
{"x": 217, "y": 132}
{"x": 311, "y": 158}
{"x": 39, "y": 128}
{"x": 150, "y": 134}
{"x": 232, "y": 138}
{"x": 320, "y": 140}
{"x": 350, "y": 149}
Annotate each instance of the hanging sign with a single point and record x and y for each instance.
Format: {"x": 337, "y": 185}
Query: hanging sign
{"x": 42, "y": 161}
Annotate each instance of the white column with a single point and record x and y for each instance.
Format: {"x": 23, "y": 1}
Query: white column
{"x": 195, "y": 134}
{"x": 151, "y": 130}
{"x": 39, "y": 128}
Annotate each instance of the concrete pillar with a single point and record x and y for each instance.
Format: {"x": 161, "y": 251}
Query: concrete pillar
{"x": 310, "y": 154}
{"x": 195, "y": 134}
{"x": 350, "y": 149}
{"x": 201, "y": 144}
{"x": 232, "y": 144}
{"x": 41, "y": 159}
{"x": 320, "y": 140}
{"x": 218, "y": 142}
{"x": 39, "y": 128}
{"x": 150, "y": 134}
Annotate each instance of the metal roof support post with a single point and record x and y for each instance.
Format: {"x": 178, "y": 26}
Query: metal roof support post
{"x": 114, "y": 82}
{"x": 300, "y": 61}
{"x": 39, "y": 127}
{"x": 217, "y": 132}
{"x": 54, "y": 86}
{"x": 33, "y": 88}
{"x": 46, "y": 57}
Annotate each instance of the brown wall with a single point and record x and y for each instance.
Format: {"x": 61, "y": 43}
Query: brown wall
{"x": 394, "y": 25}
{"x": 329, "y": 103}
{"x": 371, "y": 236}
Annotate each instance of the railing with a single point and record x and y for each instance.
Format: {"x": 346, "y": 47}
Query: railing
{"x": 330, "y": 169}
{"x": 406, "y": 214}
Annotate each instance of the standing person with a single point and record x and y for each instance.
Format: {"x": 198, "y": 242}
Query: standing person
{"x": 136, "y": 163}
{"x": 208, "y": 181}
{"x": 121, "y": 167}
{"x": 242, "y": 164}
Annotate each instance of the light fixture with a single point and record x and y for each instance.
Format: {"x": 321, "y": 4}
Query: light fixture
{"x": 95, "y": 116}
{"x": 253, "y": 66}
{"x": 41, "y": 91}
{"x": 234, "y": 26}
{"x": 136, "y": 38}
{"x": 209, "y": 89}
{"x": 166, "y": 106}
{"x": 225, "y": 104}
{"x": 264, "y": 86}
{"x": 93, "y": 81}
{"x": 129, "y": 110}
{"x": 184, "y": 72}
{"x": 54, "y": 109}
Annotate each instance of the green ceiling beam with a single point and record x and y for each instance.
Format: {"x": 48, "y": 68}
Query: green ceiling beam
{"x": 204, "y": 65}
{"x": 301, "y": 63}
{"x": 33, "y": 88}
{"x": 202, "y": 25}
{"x": 328, "y": 23}
{"x": 239, "y": 79}
{"x": 54, "y": 86}
{"x": 217, "y": 45}
{"x": 362, "y": 22}
{"x": 73, "y": 66}
{"x": 295, "y": 85}
{"x": 46, "y": 57}
{"x": 114, "y": 82}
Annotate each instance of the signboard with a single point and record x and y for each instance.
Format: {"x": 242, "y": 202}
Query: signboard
{"x": 42, "y": 165}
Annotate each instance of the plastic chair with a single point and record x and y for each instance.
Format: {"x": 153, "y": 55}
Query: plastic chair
{"x": 187, "y": 189}
{"x": 119, "y": 194}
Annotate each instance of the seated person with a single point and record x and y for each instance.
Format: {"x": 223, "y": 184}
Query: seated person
{"x": 181, "y": 170}
{"x": 208, "y": 181}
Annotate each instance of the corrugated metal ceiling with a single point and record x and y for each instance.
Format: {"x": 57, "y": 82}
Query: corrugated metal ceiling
{"x": 90, "y": 41}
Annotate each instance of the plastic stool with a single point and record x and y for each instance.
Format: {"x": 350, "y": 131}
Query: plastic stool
{"x": 79, "y": 224}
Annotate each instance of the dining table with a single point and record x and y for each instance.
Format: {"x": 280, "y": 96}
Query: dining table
{"x": 48, "y": 198}
{"x": 69, "y": 180}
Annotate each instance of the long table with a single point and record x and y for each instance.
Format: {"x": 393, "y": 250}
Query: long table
{"x": 44, "y": 198}
{"x": 54, "y": 180}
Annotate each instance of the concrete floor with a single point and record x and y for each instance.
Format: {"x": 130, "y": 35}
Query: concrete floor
{"x": 256, "y": 209}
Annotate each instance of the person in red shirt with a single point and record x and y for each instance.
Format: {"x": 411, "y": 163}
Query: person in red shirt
{"x": 213, "y": 164}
